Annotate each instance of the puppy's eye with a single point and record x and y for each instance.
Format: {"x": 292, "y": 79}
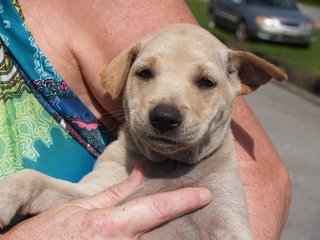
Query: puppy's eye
{"x": 206, "y": 83}
{"x": 144, "y": 74}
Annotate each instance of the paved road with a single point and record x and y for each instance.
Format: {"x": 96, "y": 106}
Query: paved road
{"x": 293, "y": 124}
{"x": 313, "y": 12}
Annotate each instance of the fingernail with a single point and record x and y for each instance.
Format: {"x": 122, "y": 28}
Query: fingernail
{"x": 205, "y": 195}
{"x": 137, "y": 175}
{"x": 139, "y": 169}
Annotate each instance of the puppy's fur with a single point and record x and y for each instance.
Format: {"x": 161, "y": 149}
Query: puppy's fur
{"x": 179, "y": 84}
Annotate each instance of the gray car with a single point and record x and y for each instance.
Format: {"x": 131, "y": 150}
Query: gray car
{"x": 273, "y": 20}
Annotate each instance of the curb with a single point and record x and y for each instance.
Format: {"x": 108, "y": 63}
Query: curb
{"x": 299, "y": 92}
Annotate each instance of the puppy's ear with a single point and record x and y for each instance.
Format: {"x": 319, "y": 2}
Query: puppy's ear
{"x": 116, "y": 73}
{"x": 252, "y": 71}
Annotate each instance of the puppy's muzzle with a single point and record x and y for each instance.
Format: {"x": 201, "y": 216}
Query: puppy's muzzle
{"x": 165, "y": 118}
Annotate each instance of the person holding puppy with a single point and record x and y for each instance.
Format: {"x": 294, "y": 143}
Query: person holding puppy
{"x": 78, "y": 51}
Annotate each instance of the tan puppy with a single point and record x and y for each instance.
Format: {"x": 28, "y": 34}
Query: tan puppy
{"x": 179, "y": 84}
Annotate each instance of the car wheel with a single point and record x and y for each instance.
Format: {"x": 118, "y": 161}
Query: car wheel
{"x": 242, "y": 32}
{"x": 211, "y": 20}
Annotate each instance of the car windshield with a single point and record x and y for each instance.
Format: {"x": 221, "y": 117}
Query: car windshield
{"x": 275, "y": 3}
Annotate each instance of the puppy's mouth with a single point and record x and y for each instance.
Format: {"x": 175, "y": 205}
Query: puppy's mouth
{"x": 164, "y": 140}
{"x": 164, "y": 144}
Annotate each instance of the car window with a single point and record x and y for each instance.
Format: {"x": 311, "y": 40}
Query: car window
{"x": 275, "y": 3}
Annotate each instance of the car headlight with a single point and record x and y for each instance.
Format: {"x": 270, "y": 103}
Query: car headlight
{"x": 270, "y": 22}
{"x": 308, "y": 25}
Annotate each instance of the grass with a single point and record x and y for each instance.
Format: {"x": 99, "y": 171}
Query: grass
{"x": 310, "y": 2}
{"x": 305, "y": 58}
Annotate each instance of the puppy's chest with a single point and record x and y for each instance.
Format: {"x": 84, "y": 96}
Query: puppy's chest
{"x": 172, "y": 175}
{"x": 214, "y": 219}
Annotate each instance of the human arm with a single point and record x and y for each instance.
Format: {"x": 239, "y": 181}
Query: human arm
{"x": 264, "y": 176}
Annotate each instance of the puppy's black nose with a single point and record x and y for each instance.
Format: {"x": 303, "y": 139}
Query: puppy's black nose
{"x": 165, "y": 117}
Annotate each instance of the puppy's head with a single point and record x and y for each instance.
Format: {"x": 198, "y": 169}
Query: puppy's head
{"x": 180, "y": 83}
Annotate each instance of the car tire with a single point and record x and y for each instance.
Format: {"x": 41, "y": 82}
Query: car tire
{"x": 242, "y": 32}
{"x": 211, "y": 20}
{"x": 305, "y": 45}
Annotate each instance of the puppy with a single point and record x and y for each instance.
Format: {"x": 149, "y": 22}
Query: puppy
{"x": 179, "y": 84}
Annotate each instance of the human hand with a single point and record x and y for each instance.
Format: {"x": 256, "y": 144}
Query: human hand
{"x": 98, "y": 217}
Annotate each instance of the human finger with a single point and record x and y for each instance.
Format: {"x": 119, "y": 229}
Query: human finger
{"x": 113, "y": 195}
{"x": 141, "y": 215}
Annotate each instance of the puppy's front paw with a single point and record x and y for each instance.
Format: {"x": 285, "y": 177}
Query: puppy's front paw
{"x": 14, "y": 196}
{"x": 9, "y": 205}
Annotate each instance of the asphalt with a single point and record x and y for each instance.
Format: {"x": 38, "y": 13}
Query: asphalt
{"x": 291, "y": 118}
{"x": 312, "y": 11}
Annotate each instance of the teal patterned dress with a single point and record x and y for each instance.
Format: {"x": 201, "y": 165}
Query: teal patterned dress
{"x": 43, "y": 124}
